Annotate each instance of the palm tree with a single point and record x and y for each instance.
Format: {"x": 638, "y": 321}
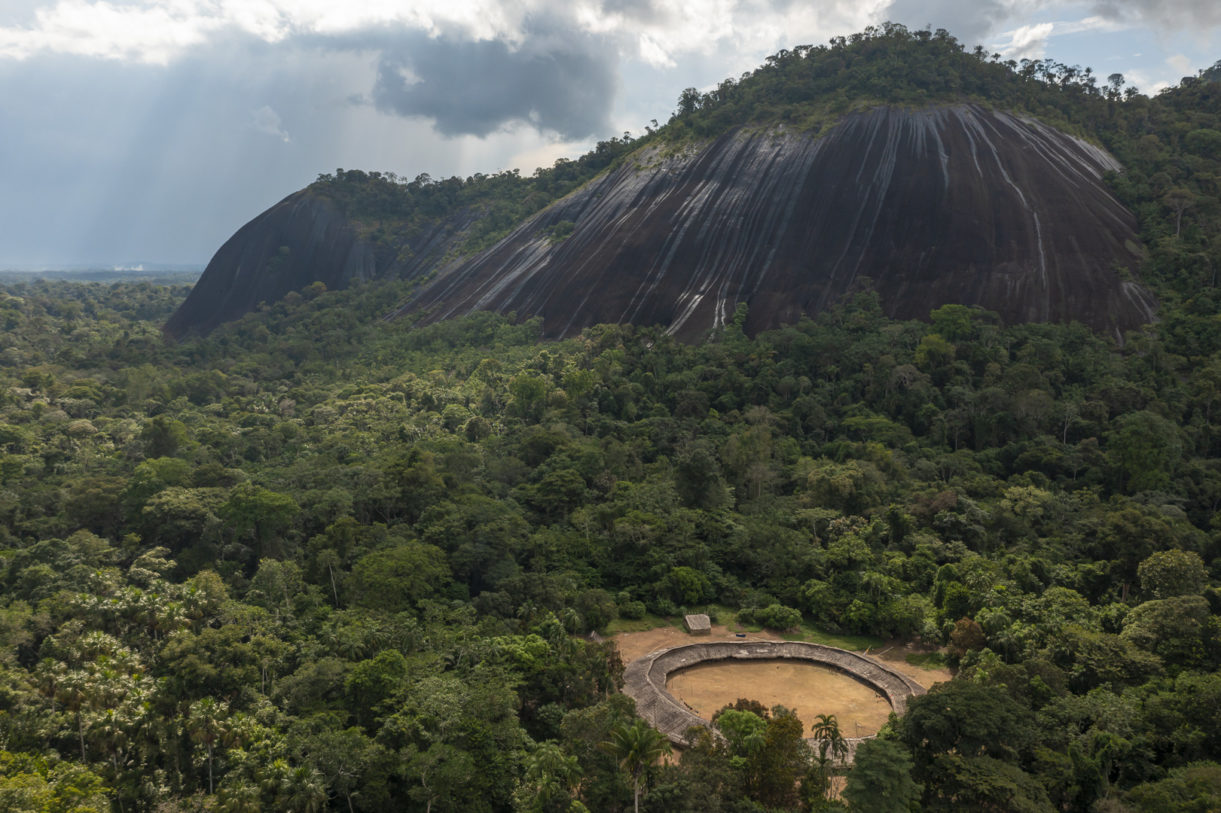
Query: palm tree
{"x": 636, "y": 746}
{"x": 240, "y": 797}
{"x": 305, "y": 791}
{"x": 826, "y": 731}
{"x": 206, "y": 725}
{"x": 549, "y": 781}
{"x": 297, "y": 788}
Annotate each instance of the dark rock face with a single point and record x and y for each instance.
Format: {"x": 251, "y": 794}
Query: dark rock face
{"x": 303, "y": 239}
{"x": 945, "y": 205}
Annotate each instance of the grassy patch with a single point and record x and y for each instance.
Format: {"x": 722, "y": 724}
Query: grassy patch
{"x": 720, "y": 614}
{"x": 728, "y": 617}
{"x": 805, "y": 632}
{"x": 927, "y": 660}
{"x": 649, "y": 622}
{"x": 853, "y": 642}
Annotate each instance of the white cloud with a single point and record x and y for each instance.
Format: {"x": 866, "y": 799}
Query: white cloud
{"x": 266, "y": 120}
{"x": 1167, "y": 15}
{"x": 1144, "y": 82}
{"x": 545, "y": 155}
{"x": 1028, "y": 42}
{"x": 1181, "y": 64}
{"x": 157, "y": 32}
{"x": 1090, "y": 24}
{"x": 728, "y": 27}
{"x": 653, "y": 53}
{"x": 656, "y": 31}
{"x": 151, "y": 34}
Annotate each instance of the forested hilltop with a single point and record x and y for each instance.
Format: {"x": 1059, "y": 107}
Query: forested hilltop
{"x": 323, "y": 561}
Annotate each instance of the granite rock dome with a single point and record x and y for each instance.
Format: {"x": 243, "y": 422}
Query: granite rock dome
{"x": 944, "y": 204}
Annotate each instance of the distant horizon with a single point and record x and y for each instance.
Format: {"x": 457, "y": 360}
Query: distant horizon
{"x": 105, "y": 270}
{"x": 103, "y": 265}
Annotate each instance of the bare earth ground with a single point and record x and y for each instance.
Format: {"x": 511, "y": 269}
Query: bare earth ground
{"x": 808, "y": 688}
{"x": 633, "y": 645}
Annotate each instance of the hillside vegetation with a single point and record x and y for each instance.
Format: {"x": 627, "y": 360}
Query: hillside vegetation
{"x": 322, "y": 561}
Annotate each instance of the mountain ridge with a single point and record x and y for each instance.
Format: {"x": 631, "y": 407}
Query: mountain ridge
{"x": 442, "y": 234}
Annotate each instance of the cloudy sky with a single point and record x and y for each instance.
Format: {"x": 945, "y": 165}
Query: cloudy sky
{"x": 147, "y": 131}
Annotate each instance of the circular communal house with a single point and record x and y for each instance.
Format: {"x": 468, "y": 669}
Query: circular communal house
{"x": 645, "y": 679}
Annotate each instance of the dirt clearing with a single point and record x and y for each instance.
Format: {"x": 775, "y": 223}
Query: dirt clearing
{"x": 807, "y": 688}
{"x": 633, "y": 645}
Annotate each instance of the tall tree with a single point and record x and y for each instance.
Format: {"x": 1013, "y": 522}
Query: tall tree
{"x": 206, "y": 724}
{"x": 636, "y": 746}
{"x": 832, "y": 748}
{"x": 880, "y": 780}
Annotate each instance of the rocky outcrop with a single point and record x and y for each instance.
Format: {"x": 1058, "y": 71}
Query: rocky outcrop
{"x": 304, "y": 239}
{"x": 301, "y": 240}
{"x": 944, "y": 205}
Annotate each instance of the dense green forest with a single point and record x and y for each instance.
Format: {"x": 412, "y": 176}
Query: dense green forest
{"x": 322, "y": 561}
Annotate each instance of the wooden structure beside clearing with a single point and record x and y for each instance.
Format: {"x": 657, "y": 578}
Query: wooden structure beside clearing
{"x": 697, "y": 624}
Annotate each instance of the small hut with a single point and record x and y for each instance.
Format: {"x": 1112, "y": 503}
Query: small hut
{"x": 697, "y": 624}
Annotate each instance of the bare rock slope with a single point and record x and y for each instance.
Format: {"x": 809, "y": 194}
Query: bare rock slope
{"x": 950, "y": 204}
{"x": 303, "y": 239}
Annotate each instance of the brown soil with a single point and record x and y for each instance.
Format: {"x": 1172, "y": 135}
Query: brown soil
{"x": 807, "y": 688}
{"x": 633, "y": 645}
{"x": 894, "y": 654}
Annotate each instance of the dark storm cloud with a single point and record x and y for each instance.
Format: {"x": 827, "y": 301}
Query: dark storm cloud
{"x": 554, "y": 81}
{"x": 1165, "y": 14}
{"x": 970, "y": 21}
{"x": 108, "y": 162}
{"x": 640, "y": 10}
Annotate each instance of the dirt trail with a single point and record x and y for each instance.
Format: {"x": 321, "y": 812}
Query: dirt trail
{"x": 894, "y": 654}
